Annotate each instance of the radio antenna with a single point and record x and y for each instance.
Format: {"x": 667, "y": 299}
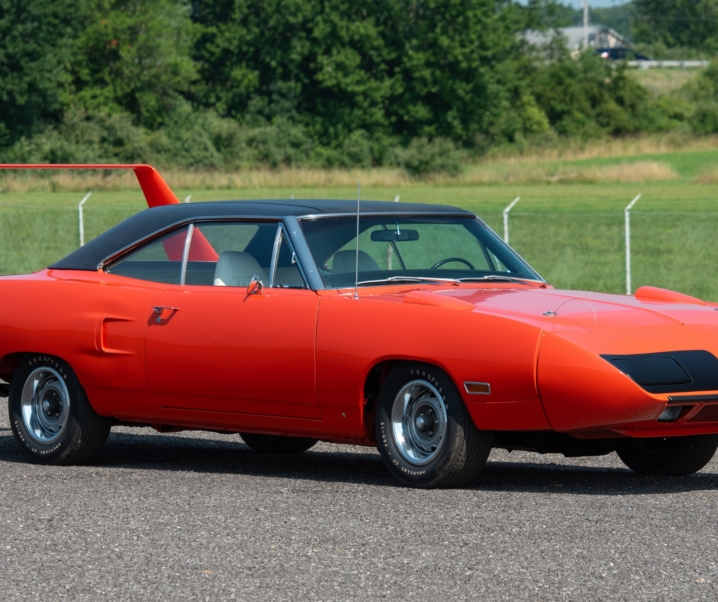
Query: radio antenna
{"x": 356, "y": 272}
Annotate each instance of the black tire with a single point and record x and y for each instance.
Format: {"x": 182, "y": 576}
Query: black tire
{"x": 416, "y": 398}
{"x": 278, "y": 444}
{"x": 53, "y": 422}
{"x": 671, "y": 456}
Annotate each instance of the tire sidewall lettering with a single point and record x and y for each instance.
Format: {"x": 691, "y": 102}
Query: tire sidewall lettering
{"x": 39, "y": 452}
{"x": 419, "y": 475}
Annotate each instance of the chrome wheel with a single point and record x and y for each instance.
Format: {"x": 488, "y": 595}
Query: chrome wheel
{"x": 45, "y": 405}
{"x": 418, "y": 420}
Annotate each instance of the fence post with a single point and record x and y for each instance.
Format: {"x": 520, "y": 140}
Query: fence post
{"x": 627, "y": 215}
{"x": 81, "y": 218}
{"x": 506, "y": 218}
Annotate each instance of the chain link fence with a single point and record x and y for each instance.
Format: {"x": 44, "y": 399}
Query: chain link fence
{"x": 584, "y": 251}
{"x": 34, "y": 236}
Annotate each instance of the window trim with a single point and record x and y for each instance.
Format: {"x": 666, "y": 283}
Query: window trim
{"x": 275, "y": 256}
{"x": 185, "y": 254}
{"x": 156, "y": 237}
{"x": 189, "y": 227}
{"x": 281, "y": 237}
{"x": 322, "y": 285}
{"x": 178, "y": 225}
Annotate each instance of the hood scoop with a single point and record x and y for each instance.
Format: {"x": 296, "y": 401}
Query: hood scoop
{"x": 653, "y": 294}
{"x": 437, "y": 300}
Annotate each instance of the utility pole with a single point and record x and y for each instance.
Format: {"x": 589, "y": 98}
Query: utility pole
{"x": 585, "y": 24}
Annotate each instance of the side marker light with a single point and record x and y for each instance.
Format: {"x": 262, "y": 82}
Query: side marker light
{"x": 477, "y": 388}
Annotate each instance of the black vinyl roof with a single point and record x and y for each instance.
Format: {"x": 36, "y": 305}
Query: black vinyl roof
{"x": 150, "y": 221}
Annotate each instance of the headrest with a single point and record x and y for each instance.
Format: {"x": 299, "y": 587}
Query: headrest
{"x": 345, "y": 262}
{"x": 235, "y": 268}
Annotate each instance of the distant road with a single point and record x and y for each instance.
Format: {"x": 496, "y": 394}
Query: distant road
{"x": 199, "y": 516}
{"x": 668, "y": 64}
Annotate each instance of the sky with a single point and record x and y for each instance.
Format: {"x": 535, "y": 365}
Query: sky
{"x": 593, "y": 3}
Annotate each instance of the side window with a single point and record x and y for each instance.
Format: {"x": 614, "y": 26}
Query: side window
{"x": 287, "y": 273}
{"x": 217, "y": 254}
{"x": 157, "y": 261}
{"x": 242, "y": 250}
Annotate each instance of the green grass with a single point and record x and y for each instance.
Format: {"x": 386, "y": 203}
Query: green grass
{"x": 573, "y": 234}
{"x": 662, "y": 81}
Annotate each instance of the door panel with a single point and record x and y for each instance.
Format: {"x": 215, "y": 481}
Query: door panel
{"x": 222, "y": 350}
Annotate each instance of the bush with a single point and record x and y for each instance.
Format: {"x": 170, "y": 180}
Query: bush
{"x": 705, "y": 118}
{"x": 281, "y": 144}
{"x": 424, "y": 157}
{"x": 83, "y": 139}
{"x": 591, "y": 97}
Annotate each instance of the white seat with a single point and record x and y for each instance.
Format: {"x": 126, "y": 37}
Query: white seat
{"x": 236, "y": 268}
{"x": 345, "y": 262}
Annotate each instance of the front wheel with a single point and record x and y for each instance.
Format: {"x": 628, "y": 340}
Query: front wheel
{"x": 671, "y": 456}
{"x": 51, "y": 418}
{"x": 426, "y": 436}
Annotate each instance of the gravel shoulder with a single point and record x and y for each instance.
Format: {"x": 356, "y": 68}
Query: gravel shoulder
{"x": 200, "y": 516}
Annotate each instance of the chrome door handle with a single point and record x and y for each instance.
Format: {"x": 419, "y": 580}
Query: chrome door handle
{"x": 163, "y": 308}
{"x": 159, "y": 310}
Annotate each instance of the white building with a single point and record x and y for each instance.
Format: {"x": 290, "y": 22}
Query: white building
{"x": 599, "y": 36}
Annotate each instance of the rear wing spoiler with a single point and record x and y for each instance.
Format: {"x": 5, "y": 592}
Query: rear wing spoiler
{"x": 155, "y": 189}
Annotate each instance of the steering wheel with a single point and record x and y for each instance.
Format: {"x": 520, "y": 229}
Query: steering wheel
{"x": 438, "y": 264}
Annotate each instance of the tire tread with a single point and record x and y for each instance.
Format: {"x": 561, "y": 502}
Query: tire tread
{"x": 470, "y": 447}
{"x": 87, "y": 431}
{"x": 684, "y": 456}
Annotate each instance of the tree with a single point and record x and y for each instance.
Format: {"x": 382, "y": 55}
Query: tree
{"x": 321, "y": 63}
{"x": 35, "y": 43}
{"x": 678, "y": 23}
{"x": 394, "y": 67}
{"x": 133, "y": 56}
{"x": 454, "y": 56}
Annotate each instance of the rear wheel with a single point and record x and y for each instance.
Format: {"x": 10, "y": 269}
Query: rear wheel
{"x": 671, "y": 456}
{"x": 278, "y": 444}
{"x": 51, "y": 418}
{"x": 425, "y": 433}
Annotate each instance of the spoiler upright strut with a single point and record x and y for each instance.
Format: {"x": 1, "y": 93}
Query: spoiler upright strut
{"x": 155, "y": 189}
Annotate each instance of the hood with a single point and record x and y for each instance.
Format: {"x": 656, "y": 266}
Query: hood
{"x": 650, "y": 320}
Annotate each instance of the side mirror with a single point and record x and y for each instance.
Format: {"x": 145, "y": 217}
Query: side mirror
{"x": 255, "y": 285}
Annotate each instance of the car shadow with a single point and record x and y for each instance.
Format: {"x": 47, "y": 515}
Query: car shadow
{"x": 185, "y": 454}
{"x": 562, "y": 479}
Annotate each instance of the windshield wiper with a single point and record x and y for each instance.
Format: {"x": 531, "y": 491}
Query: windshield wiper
{"x": 410, "y": 279}
{"x": 499, "y": 278}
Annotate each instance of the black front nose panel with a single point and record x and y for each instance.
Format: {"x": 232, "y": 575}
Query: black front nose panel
{"x": 670, "y": 371}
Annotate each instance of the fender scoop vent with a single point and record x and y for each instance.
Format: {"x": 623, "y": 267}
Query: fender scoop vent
{"x": 652, "y": 294}
{"x": 435, "y": 300}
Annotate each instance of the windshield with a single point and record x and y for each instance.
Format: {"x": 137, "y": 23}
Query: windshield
{"x": 395, "y": 249}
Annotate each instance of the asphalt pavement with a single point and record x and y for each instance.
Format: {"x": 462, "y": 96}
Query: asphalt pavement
{"x": 199, "y": 516}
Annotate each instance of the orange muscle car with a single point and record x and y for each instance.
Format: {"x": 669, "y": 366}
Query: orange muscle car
{"x": 408, "y": 327}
